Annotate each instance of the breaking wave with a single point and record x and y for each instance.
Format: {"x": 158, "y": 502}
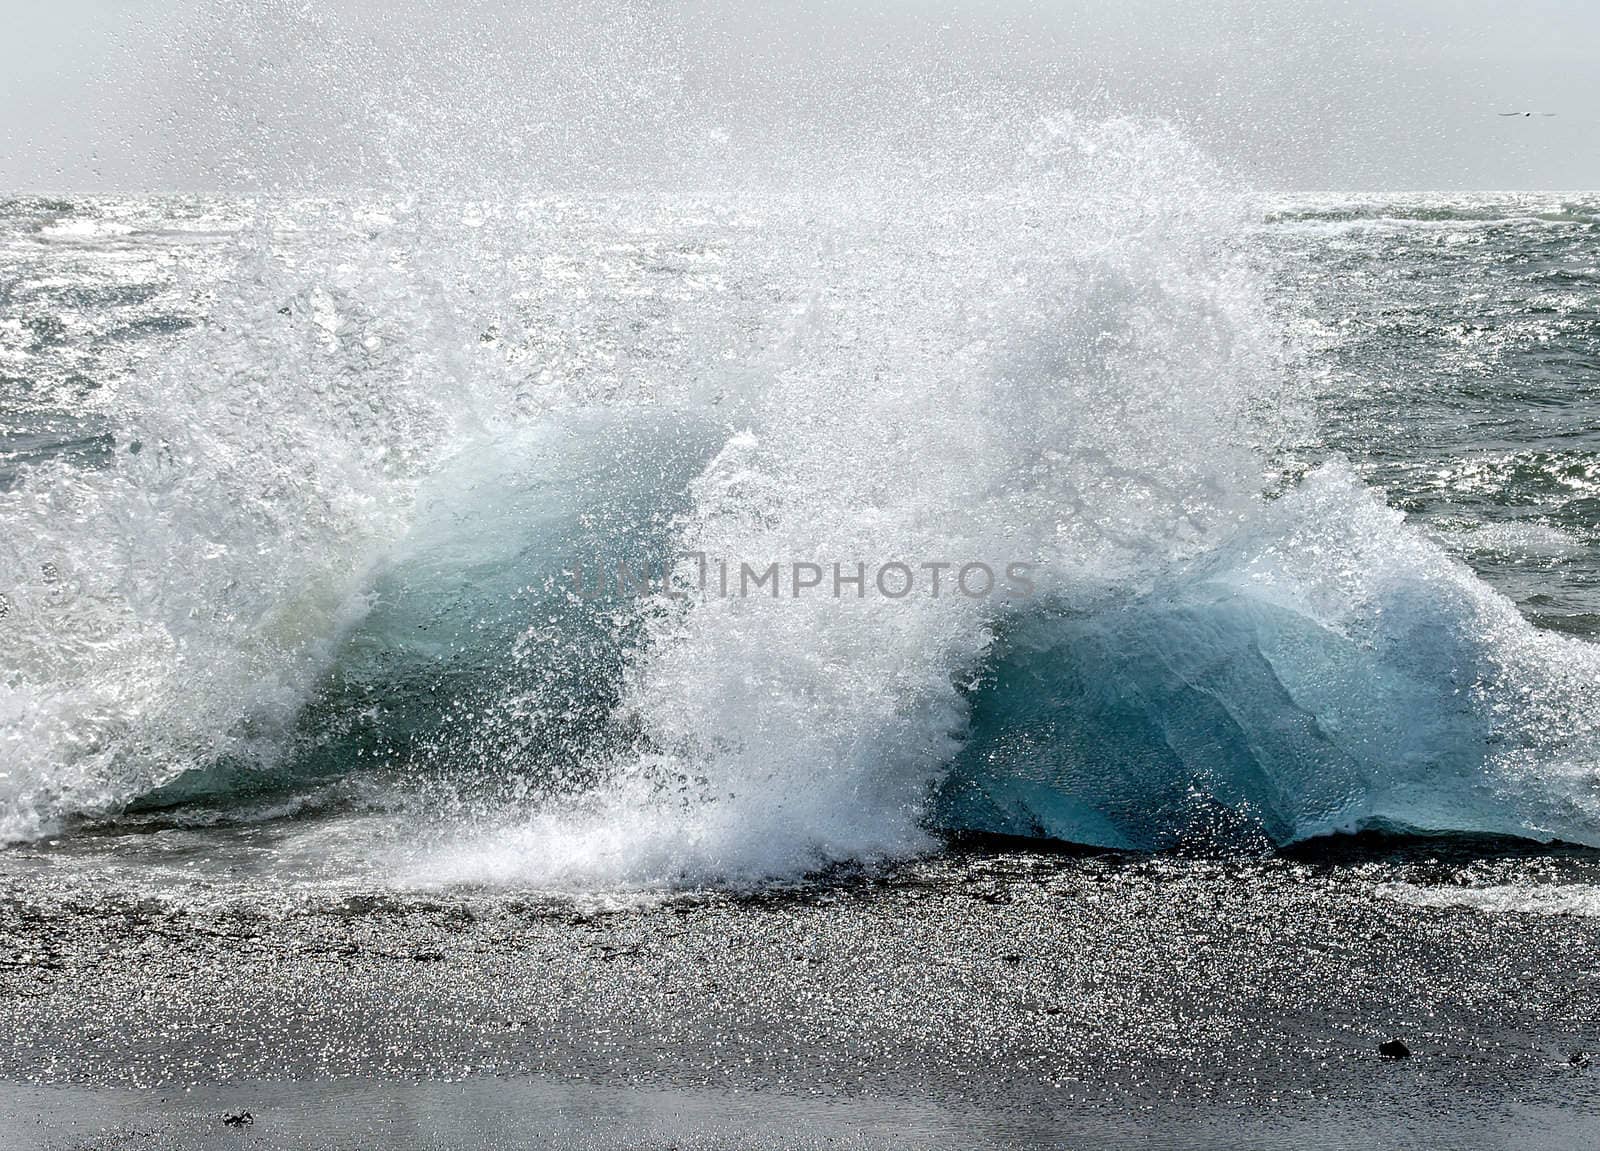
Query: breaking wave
{"x": 337, "y": 528}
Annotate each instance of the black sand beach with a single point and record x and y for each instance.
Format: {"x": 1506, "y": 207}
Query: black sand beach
{"x": 981, "y": 998}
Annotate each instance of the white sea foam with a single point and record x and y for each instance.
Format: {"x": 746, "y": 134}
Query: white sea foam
{"x": 1519, "y": 898}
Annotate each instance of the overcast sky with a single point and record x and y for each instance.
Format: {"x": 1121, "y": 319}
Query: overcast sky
{"x": 201, "y": 94}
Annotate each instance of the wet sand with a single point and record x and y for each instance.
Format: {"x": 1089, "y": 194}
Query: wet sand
{"x": 987, "y": 997}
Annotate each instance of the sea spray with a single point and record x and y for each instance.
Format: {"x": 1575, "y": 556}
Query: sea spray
{"x": 938, "y": 318}
{"x": 1063, "y": 362}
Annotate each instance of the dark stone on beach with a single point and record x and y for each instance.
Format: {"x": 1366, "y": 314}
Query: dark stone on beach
{"x": 1394, "y": 1049}
{"x": 428, "y": 956}
{"x": 1012, "y": 959}
{"x": 238, "y": 1119}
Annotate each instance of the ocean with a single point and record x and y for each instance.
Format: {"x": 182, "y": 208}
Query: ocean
{"x": 1127, "y": 635}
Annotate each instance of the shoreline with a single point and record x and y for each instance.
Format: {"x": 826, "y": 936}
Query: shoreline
{"x": 354, "y": 1115}
{"x": 998, "y": 998}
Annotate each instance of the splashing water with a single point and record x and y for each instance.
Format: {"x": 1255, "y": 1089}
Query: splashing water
{"x": 335, "y": 530}
{"x": 1040, "y": 373}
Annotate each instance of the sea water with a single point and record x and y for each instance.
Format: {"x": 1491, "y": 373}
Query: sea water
{"x": 296, "y": 494}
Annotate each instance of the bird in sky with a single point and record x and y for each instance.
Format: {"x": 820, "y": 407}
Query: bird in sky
{"x": 1525, "y": 113}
